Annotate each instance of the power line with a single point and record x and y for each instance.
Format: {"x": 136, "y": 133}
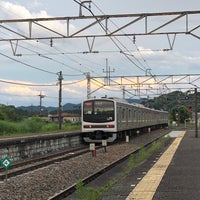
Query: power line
{"x": 47, "y": 57}
{"x": 74, "y": 60}
{"x": 73, "y": 82}
{"x": 111, "y": 38}
{"x": 28, "y": 65}
{"x": 43, "y": 56}
{"x": 28, "y": 84}
{"x": 71, "y": 60}
{"x": 17, "y": 95}
{"x": 128, "y": 38}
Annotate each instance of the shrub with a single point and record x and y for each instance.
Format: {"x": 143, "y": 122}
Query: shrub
{"x": 31, "y": 125}
{"x": 7, "y": 128}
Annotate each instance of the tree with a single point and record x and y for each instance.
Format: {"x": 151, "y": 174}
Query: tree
{"x": 174, "y": 99}
{"x": 8, "y": 113}
{"x": 180, "y": 114}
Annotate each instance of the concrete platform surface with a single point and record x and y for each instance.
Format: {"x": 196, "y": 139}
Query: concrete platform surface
{"x": 182, "y": 178}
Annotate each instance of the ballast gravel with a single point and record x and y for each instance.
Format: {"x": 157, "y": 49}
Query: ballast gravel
{"x": 44, "y": 183}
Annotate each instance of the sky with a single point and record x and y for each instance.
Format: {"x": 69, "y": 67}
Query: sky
{"x": 23, "y": 78}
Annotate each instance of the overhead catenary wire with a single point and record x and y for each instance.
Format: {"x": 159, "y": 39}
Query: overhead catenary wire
{"x": 104, "y": 87}
{"x": 93, "y": 71}
{"x": 27, "y": 84}
{"x": 28, "y": 65}
{"x": 47, "y": 57}
{"x": 116, "y": 42}
{"x": 74, "y": 82}
{"x": 143, "y": 68}
{"x": 41, "y": 85}
{"x": 112, "y": 38}
{"x": 75, "y": 62}
{"x": 60, "y": 52}
{"x": 42, "y": 55}
{"x": 148, "y": 70}
{"x": 40, "y": 69}
{"x": 133, "y": 41}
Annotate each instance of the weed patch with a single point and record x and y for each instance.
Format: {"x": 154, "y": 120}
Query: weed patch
{"x": 89, "y": 193}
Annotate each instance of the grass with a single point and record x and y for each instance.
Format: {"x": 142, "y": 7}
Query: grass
{"x": 89, "y": 193}
{"x": 33, "y": 125}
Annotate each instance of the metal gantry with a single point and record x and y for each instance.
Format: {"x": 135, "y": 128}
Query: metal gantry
{"x": 91, "y": 27}
{"x": 119, "y": 25}
{"x": 145, "y": 85}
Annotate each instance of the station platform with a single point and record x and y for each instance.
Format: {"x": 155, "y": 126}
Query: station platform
{"x": 176, "y": 174}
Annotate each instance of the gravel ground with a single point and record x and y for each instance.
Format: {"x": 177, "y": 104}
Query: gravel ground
{"x": 46, "y": 182}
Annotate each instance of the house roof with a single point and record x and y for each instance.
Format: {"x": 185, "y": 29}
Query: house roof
{"x": 65, "y": 115}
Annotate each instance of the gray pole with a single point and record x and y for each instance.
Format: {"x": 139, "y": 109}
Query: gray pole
{"x": 196, "y": 117}
{"x": 88, "y": 85}
{"x": 60, "y": 78}
{"x": 41, "y": 97}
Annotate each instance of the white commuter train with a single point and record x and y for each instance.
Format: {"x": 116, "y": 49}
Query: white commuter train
{"x": 109, "y": 119}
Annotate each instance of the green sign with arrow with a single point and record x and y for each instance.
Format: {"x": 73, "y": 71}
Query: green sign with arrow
{"x": 6, "y": 163}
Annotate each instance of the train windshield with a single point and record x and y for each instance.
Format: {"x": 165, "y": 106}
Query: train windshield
{"x": 98, "y": 111}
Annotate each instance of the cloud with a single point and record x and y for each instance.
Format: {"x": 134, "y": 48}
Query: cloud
{"x": 16, "y": 94}
{"x": 19, "y": 90}
{"x": 34, "y": 4}
{"x": 11, "y": 10}
{"x": 63, "y": 56}
{"x": 16, "y": 11}
{"x": 169, "y": 62}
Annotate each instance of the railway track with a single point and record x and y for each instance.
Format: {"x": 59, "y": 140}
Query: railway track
{"x": 28, "y": 165}
{"x": 63, "y": 194}
{"x": 57, "y": 176}
{"x": 39, "y": 162}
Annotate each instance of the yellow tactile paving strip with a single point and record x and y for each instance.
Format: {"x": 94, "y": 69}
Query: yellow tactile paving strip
{"x": 146, "y": 188}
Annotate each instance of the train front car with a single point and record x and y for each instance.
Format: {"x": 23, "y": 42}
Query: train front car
{"x": 99, "y": 120}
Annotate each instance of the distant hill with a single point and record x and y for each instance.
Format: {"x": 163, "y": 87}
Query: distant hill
{"x": 35, "y": 109}
{"x": 140, "y": 101}
{"x": 69, "y": 107}
{"x": 173, "y": 99}
{"x": 162, "y": 102}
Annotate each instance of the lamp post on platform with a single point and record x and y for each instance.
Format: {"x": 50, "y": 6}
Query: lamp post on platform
{"x": 195, "y": 109}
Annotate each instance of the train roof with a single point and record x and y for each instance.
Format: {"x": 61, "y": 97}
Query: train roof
{"x": 124, "y": 101}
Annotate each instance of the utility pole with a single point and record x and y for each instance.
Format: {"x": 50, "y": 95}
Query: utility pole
{"x": 196, "y": 111}
{"x": 41, "y": 97}
{"x": 107, "y": 71}
{"x": 123, "y": 92}
{"x": 88, "y": 84}
{"x": 60, "y": 78}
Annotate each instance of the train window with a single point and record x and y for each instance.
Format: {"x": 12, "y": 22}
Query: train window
{"x": 129, "y": 115}
{"x": 123, "y": 114}
{"x": 103, "y": 107}
{"x": 87, "y": 107}
{"x": 144, "y": 116}
{"x": 135, "y": 116}
{"x": 119, "y": 114}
